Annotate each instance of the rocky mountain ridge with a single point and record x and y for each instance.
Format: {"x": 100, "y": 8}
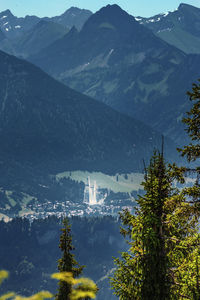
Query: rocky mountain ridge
{"x": 13, "y": 26}
{"x": 116, "y": 60}
{"x": 179, "y": 28}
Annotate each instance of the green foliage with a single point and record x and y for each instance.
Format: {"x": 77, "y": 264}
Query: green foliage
{"x": 96, "y": 241}
{"x": 192, "y": 151}
{"x": 39, "y": 296}
{"x": 11, "y": 295}
{"x": 3, "y": 275}
{"x": 190, "y": 268}
{"x": 67, "y": 263}
{"x": 81, "y": 288}
{"x": 161, "y": 262}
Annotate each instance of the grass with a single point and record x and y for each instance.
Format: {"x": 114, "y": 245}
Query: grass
{"x": 116, "y": 183}
{"x": 11, "y": 200}
{"x": 24, "y": 210}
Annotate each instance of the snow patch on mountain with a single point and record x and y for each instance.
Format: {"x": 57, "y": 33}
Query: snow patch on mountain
{"x": 151, "y": 21}
{"x": 138, "y": 19}
{"x": 165, "y": 14}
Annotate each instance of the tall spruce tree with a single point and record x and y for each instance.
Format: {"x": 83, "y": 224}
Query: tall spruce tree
{"x": 192, "y": 193}
{"x": 68, "y": 262}
{"x": 162, "y": 236}
{"x": 192, "y": 151}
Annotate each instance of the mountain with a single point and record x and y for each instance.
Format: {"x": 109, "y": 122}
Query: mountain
{"x": 26, "y": 36}
{"x": 47, "y": 128}
{"x": 13, "y": 26}
{"x": 44, "y": 123}
{"x": 40, "y": 36}
{"x": 179, "y": 28}
{"x": 116, "y": 60}
{"x": 72, "y": 17}
{"x": 108, "y": 37}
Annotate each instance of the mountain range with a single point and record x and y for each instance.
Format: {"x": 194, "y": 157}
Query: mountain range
{"x": 28, "y": 35}
{"x": 72, "y": 17}
{"x": 98, "y": 100}
{"x": 13, "y": 26}
{"x": 85, "y": 92}
{"x": 179, "y": 28}
{"x": 40, "y": 36}
{"x": 47, "y": 128}
{"x": 116, "y": 60}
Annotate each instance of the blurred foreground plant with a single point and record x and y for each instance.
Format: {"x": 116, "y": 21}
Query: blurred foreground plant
{"x": 82, "y": 288}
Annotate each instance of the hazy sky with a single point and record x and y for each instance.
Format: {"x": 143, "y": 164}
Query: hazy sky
{"x": 56, "y": 7}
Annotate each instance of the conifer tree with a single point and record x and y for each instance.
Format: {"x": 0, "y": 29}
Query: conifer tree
{"x": 192, "y": 151}
{"x": 67, "y": 263}
{"x": 162, "y": 236}
{"x": 192, "y": 193}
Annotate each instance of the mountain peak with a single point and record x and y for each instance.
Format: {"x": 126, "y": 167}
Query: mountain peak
{"x": 112, "y": 9}
{"x": 71, "y": 10}
{"x": 112, "y": 16}
{"x": 74, "y": 9}
{"x": 72, "y": 16}
{"x": 6, "y": 12}
{"x": 112, "y": 6}
{"x": 75, "y": 12}
{"x": 185, "y": 6}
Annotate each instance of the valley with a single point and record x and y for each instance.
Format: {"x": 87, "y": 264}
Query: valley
{"x": 93, "y": 107}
